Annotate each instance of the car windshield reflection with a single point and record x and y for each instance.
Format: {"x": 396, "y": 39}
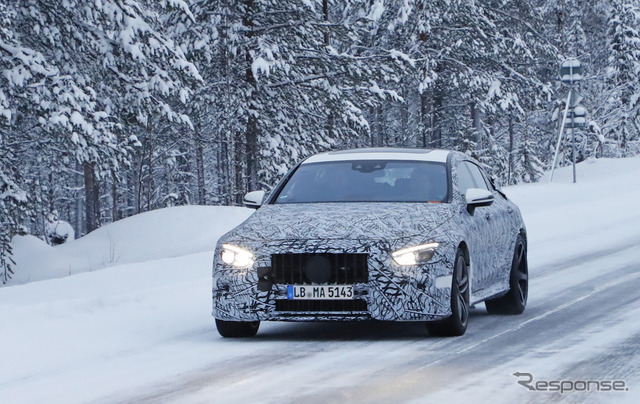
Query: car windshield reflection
{"x": 367, "y": 181}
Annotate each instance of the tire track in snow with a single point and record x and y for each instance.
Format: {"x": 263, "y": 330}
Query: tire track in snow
{"x": 417, "y": 356}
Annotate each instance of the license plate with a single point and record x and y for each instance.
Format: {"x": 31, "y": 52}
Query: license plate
{"x": 320, "y": 292}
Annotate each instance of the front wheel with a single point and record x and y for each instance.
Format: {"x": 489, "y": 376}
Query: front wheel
{"x": 456, "y": 323}
{"x": 515, "y": 300}
{"x": 237, "y": 329}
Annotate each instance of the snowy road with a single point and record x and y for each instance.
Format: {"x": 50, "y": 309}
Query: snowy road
{"x": 575, "y": 328}
{"x": 142, "y": 331}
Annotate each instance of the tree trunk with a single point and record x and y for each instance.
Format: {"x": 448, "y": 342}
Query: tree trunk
{"x": 325, "y": 13}
{"x": 251, "y": 133}
{"x": 114, "y": 197}
{"x": 525, "y": 149}
{"x": 327, "y": 41}
{"x": 199, "y": 151}
{"x": 252, "y": 154}
{"x": 437, "y": 113}
{"x": 477, "y": 124}
{"x": 382, "y": 141}
{"x": 224, "y": 175}
{"x": 150, "y": 180}
{"x": 238, "y": 162}
{"x": 79, "y": 222}
{"x": 401, "y": 139}
{"x": 437, "y": 119}
{"x": 424, "y": 118}
{"x": 511, "y": 144}
{"x": 92, "y": 197}
{"x": 138, "y": 182}
{"x": 372, "y": 128}
{"x": 623, "y": 139}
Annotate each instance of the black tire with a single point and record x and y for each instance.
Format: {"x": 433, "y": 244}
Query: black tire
{"x": 456, "y": 324}
{"x": 237, "y": 329}
{"x": 515, "y": 300}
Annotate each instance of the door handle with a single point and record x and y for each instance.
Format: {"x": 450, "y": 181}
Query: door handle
{"x": 487, "y": 216}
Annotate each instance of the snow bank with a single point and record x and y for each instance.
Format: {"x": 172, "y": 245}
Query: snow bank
{"x": 163, "y": 233}
{"x": 597, "y": 214}
{"x": 138, "y": 328}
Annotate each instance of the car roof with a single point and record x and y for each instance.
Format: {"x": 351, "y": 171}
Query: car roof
{"x": 381, "y": 153}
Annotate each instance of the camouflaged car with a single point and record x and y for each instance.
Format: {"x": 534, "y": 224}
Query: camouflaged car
{"x": 384, "y": 234}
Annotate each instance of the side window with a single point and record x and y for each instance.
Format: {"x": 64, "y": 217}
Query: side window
{"x": 477, "y": 175}
{"x": 465, "y": 180}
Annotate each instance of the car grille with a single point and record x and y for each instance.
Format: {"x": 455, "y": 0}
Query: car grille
{"x": 345, "y": 269}
{"x": 320, "y": 306}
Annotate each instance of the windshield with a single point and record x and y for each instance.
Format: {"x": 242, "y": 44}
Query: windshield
{"x": 366, "y": 181}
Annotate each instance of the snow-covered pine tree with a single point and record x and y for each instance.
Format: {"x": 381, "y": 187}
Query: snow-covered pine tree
{"x": 624, "y": 77}
{"x": 113, "y": 69}
{"x": 17, "y": 65}
{"x": 13, "y": 207}
{"x": 521, "y": 61}
{"x": 577, "y": 31}
{"x": 285, "y": 80}
{"x": 528, "y": 167}
{"x": 13, "y": 200}
{"x": 477, "y": 63}
{"x": 82, "y": 81}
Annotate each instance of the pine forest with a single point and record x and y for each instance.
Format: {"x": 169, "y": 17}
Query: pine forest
{"x": 110, "y": 108}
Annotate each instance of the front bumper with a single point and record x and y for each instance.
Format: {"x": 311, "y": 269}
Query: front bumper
{"x": 391, "y": 293}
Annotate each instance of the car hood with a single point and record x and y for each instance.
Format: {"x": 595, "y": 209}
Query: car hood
{"x": 310, "y": 221}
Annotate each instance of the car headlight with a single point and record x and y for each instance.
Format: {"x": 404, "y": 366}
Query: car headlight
{"x": 236, "y": 256}
{"x": 415, "y": 255}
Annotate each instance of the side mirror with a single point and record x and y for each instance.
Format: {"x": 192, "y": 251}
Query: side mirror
{"x": 477, "y": 198}
{"x": 253, "y": 199}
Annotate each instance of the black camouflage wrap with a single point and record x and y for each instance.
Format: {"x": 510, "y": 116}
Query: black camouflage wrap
{"x": 393, "y": 292}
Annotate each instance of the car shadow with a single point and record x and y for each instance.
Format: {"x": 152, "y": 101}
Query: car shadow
{"x": 370, "y": 330}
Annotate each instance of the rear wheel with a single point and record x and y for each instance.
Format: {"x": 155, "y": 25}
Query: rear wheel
{"x": 456, "y": 323}
{"x": 515, "y": 300}
{"x": 237, "y": 329}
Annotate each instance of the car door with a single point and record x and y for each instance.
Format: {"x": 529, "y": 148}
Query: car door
{"x": 499, "y": 237}
{"x": 476, "y": 229}
{"x": 509, "y": 222}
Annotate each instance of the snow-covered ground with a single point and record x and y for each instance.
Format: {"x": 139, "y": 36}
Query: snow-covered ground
{"x": 133, "y": 322}
{"x": 163, "y": 233}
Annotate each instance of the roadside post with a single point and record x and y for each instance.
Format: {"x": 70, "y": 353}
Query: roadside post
{"x": 570, "y": 73}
